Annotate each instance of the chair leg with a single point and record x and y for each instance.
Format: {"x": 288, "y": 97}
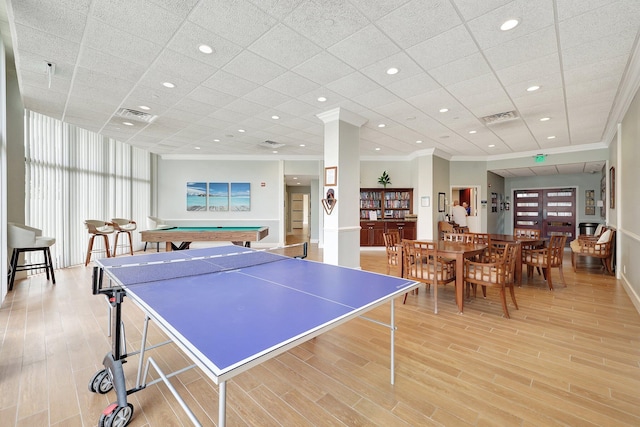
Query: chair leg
{"x": 89, "y": 249}
{"x": 49, "y": 262}
{"x": 130, "y": 243}
{"x": 115, "y": 245}
{"x": 547, "y": 275}
{"x": 106, "y": 245}
{"x": 513, "y": 296}
{"x": 14, "y": 264}
{"x": 435, "y": 297}
{"x": 503, "y": 299}
{"x": 562, "y": 275}
{"x": 573, "y": 261}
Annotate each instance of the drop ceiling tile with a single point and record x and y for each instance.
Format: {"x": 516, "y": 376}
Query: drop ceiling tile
{"x": 190, "y": 36}
{"x": 294, "y": 107}
{"x": 98, "y": 61}
{"x": 597, "y": 23}
{"x": 594, "y": 52}
{"x": 379, "y": 8}
{"x": 150, "y": 23}
{"x": 225, "y": 18}
{"x": 292, "y": 84}
{"x": 605, "y": 68}
{"x": 210, "y": 96}
{"x": 65, "y": 23}
{"x": 376, "y": 98}
{"x": 326, "y": 26}
{"x": 269, "y": 45}
{"x": 254, "y": 68}
{"x": 443, "y": 48}
{"x": 417, "y": 21}
{"x": 473, "y": 8}
{"x": 230, "y": 84}
{"x": 569, "y": 8}
{"x": 405, "y": 65}
{"x": 245, "y": 107}
{"x": 48, "y": 47}
{"x": 460, "y": 70}
{"x": 538, "y": 44}
{"x": 529, "y": 71}
{"x": 323, "y": 68}
{"x": 414, "y": 85}
{"x": 352, "y": 85}
{"x": 534, "y": 16}
{"x": 365, "y": 47}
{"x": 180, "y": 8}
{"x": 119, "y": 43}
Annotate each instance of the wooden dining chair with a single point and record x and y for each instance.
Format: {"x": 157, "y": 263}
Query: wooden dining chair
{"x": 546, "y": 258}
{"x": 459, "y": 237}
{"x": 391, "y": 243}
{"x": 497, "y": 271}
{"x": 422, "y": 264}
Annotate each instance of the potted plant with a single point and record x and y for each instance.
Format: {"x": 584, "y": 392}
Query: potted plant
{"x": 384, "y": 179}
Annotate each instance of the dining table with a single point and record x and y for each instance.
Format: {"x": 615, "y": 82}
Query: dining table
{"x": 519, "y": 241}
{"x": 459, "y": 251}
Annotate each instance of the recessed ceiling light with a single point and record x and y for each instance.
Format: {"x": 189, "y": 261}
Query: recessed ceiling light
{"x": 492, "y": 145}
{"x": 321, "y": 99}
{"x": 509, "y": 24}
{"x": 197, "y": 148}
{"x": 144, "y": 107}
{"x": 127, "y": 123}
{"x": 391, "y": 71}
{"x": 419, "y": 141}
{"x": 544, "y": 119}
{"x": 205, "y": 49}
{"x": 444, "y": 110}
{"x": 533, "y": 88}
{"x": 381, "y": 125}
{"x": 302, "y": 145}
{"x": 241, "y": 130}
{"x": 169, "y": 85}
{"x": 275, "y": 151}
{"x": 378, "y": 149}
{"x": 551, "y": 137}
{"x": 216, "y": 140}
{"x": 275, "y": 117}
{"x": 297, "y": 183}
{"x": 473, "y": 131}
{"x": 295, "y": 177}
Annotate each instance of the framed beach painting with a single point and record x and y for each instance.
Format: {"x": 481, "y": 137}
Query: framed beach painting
{"x": 218, "y": 197}
{"x": 240, "y": 196}
{"x": 196, "y": 196}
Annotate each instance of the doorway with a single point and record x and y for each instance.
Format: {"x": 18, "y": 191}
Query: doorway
{"x": 552, "y": 211}
{"x": 300, "y": 215}
{"x": 469, "y": 195}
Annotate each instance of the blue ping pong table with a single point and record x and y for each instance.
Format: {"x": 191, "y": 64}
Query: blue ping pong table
{"x": 228, "y": 309}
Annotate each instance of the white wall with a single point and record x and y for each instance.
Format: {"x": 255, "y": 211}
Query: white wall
{"x": 266, "y": 201}
{"x": 628, "y": 200}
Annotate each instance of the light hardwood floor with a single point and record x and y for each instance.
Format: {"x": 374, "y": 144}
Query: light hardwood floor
{"x": 570, "y": 357}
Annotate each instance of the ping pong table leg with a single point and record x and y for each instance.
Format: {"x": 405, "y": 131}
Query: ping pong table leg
{"x": 393, "y": 337}
{"x": 222, "y": 403}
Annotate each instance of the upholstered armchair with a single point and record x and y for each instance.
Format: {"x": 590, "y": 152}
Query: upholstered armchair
{"x": 597, "y": 247}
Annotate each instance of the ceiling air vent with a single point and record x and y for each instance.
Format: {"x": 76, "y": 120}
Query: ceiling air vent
{"x": 271, "y": 144}
{"x": 135, "y": 115}
{"x": 500, "y": 117}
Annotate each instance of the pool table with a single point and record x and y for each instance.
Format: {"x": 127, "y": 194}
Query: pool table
{"x": 186, "y": 235}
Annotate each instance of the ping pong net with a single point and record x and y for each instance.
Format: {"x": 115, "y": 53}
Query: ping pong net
{"x": 197, "y": 263}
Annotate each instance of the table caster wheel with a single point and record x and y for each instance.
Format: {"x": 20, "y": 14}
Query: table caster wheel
{"x": 116, "y": 416}
{"x": 101, "y": 382}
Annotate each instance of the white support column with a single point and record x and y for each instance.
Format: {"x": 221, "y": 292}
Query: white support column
{"x": 342, "y": 151}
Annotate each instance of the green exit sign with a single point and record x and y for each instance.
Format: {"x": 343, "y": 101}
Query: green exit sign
{"x": 540, "y": 158}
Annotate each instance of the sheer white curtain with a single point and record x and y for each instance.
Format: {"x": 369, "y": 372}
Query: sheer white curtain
{"x": 72, "y": 175}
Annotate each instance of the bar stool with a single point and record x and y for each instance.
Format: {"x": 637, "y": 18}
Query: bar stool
{"x": 98, "y": 228}
{"x": 22, "y": 238}
{"x": 126, "y": 226}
